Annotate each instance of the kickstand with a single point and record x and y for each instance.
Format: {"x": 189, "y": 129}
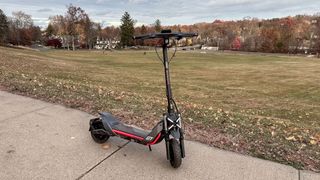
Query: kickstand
{"x": 150, "y": 148}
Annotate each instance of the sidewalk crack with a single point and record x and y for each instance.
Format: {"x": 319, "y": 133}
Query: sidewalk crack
{"x": 93, "y": 167}
{"x": 35, "y": 110}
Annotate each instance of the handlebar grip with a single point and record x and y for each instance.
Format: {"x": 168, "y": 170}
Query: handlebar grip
{"x": 190, "y": 34}
{"x": 148, "y": 36}
{"x": 182, "y": 35}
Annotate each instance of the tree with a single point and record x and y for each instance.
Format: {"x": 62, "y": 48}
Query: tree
{"x": 301, "y": 34}
{"x": 4, "y": 28}
{"x": 93, "y": 34}
{"x": 270, "y": 40}
{"x": 50, "y": 30}
{"x": 236, "y": 43}
{"x": 84, "y": 29}
{"x": 157, "y": 25}
{"x": 316, "y": 35}
{"x": 140, "y": 31}
{"x": 143, "y": 30}
{"x": 127, "y": 30}
{"x": 59, "y": 24}
{"x": 21, "y": 29}
{"x": 35, "y": 33}
{"x": 75, "y": 27}
{"x": 22, "y": 20}
{"x": 110, "y": 33}
{"x": 249, "y": 33}
{"x": 56, "y": 43}
{"x": 73, "y": 18}
{"x": 286, "y": 30}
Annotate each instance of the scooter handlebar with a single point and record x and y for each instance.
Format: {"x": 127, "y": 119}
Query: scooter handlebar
{"x": 177, "y": 35}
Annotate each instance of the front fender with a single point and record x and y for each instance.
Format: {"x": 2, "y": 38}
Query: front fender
{"x": 174, "y": 134}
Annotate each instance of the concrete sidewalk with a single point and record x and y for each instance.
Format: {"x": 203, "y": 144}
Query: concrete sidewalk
{"x": 39, "y": 140}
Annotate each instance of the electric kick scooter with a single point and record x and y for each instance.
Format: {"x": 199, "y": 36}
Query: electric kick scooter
{"x": 169, "y": 128}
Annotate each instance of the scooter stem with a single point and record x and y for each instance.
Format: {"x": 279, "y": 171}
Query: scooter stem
{"x": 167, "y": 74}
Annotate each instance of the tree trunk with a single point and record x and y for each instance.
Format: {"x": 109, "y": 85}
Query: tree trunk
{"x": 73, "y": 48}
{"x": 68, "y": 43}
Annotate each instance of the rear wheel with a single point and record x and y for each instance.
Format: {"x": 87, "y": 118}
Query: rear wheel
{"x": 99, "y": 138}
{"x": 175, "y": 153}
{"x": 98, "y": 132}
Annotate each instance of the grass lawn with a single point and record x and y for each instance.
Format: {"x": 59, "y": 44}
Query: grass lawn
{"x": 262, "y": 105}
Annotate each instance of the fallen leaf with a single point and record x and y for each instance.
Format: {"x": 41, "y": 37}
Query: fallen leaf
{"x": 105, "y": 146}
{"x": 313, "y": 142}
{"x": 291, "y": 138}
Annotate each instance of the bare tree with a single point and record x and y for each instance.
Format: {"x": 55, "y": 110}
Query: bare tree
{"x": 73, "y": 18}
{"x": 83, "y": 30}
{"x": 316, "y": 36}
{"x": 21, "y": 28}
{"x": 22, "y": 20}
{"x": 59, "y": 24}
{"x": 249, "y": 33}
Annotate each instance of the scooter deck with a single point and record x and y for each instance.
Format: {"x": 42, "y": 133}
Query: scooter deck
{"x": 119, "y": 128}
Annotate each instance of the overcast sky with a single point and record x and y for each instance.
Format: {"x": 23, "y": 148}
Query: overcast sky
{"x": 169, "y": 12}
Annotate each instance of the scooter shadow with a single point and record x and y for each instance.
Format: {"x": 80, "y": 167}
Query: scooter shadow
{"x": 139, "y": 155}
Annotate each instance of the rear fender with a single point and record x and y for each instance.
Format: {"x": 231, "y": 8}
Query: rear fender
{"x": 105, "y": 125}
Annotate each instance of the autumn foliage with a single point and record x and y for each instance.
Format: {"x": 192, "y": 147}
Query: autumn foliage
{"x": 56, "y": 43}
{"x": 75, "y": 29}
{"x": 236, "y": 44}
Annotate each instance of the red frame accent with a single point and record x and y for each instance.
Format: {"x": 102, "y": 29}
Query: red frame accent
{"x": 127, "y": 134}
{"x": 154, "y": 141}
{"x": 136, "y": 137}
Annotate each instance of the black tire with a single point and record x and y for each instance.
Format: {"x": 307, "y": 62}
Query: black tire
{"x": 98, "y": 137}
{"x": 175, "y": 153}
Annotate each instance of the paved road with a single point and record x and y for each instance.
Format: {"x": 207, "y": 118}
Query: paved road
{"x": 39, "y": 140}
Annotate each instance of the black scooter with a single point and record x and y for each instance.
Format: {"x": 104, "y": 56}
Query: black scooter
{"x": 169, "y": 128}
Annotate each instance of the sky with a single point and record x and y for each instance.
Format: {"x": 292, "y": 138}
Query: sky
{"x": 109, "y": 12}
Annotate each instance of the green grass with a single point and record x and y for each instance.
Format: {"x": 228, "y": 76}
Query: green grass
{"x": 262, "y": 105}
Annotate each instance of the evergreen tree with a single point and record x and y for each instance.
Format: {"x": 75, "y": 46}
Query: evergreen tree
{"x": 3, "y": 26}
{"x": 49, "y": 30}
{"x": 143, "y": 29}
{"x": 127, "y": 30}
{"x": 157, "y": 25}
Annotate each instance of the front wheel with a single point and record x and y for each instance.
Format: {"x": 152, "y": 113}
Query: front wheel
{"x": 175, "y": 153}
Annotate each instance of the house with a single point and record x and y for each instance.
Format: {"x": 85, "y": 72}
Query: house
{"x": 106, "y": 44}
